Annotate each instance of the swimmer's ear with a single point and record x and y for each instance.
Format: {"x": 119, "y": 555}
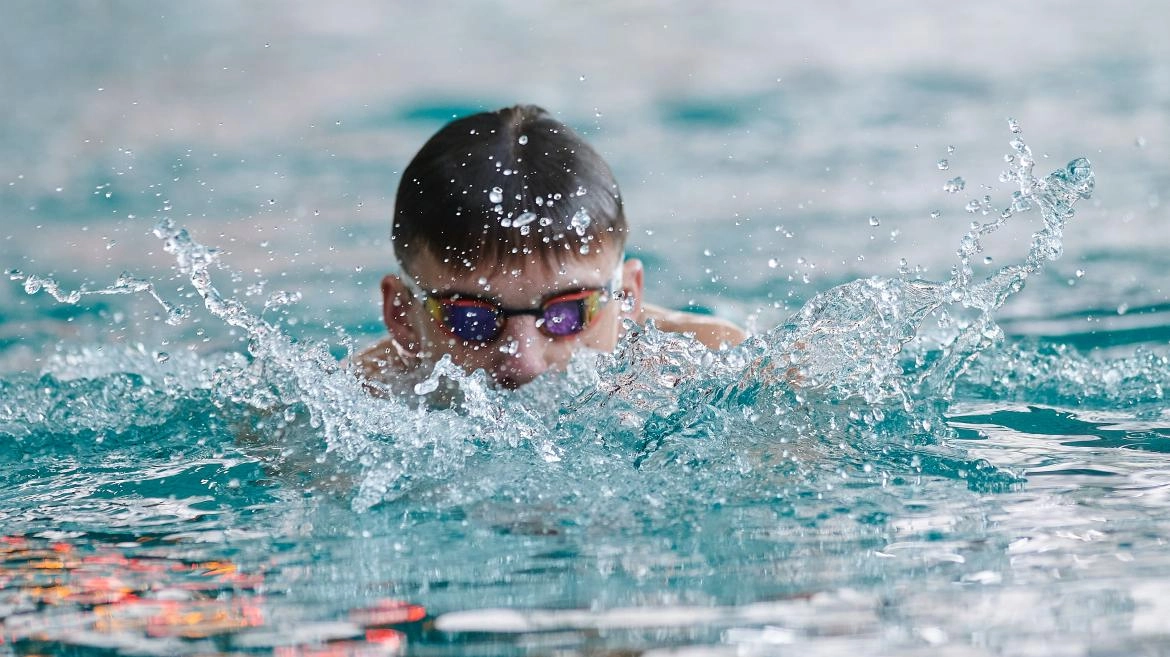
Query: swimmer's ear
{"x": 398, "y": 313}
{"x": 632, "y": 286}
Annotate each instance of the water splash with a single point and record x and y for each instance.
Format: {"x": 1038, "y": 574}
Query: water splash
{"x": 847, "y": 340}
{"x": 125, "y": 284}
{"x": 736, "y": 422}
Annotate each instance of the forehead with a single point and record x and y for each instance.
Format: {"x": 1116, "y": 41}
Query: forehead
{"x": 522, "y": 280}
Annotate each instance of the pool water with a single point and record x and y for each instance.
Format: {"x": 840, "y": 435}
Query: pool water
{"x": 947, "y": 436}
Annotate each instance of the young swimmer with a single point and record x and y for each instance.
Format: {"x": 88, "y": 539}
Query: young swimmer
{"x": 509, "y": 233}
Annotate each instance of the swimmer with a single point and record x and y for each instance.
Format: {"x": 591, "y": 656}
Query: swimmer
{"x": 509, "y": 234}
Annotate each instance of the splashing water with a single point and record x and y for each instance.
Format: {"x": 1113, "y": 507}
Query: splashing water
{"x": 125, "y": 284}
{"x": 660, "y": 402}
{"x": 848, "y": 339}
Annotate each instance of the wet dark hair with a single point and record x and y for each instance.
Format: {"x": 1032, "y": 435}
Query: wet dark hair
{"x": 512, "y": 186}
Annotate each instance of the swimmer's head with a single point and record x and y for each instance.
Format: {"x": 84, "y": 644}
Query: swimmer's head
{"x": 509, "y": 188}
{"x": 509, "y": 230}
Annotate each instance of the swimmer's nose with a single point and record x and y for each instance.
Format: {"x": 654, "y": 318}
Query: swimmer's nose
{"x": 523, "y": 353}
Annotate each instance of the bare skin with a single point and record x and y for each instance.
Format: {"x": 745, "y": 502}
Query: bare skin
{"x": 522, "y": 352}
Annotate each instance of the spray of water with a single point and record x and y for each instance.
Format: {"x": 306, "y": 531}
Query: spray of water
{"x": 661, "y": 402}
{"x": 847, "y": 340}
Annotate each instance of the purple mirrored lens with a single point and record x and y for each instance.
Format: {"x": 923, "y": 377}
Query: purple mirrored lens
{"x": 564, "y": 317}
{"x": 473, "y": 323}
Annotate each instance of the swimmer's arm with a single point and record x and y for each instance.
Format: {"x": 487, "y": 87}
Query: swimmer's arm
{"x": 713, "y": 332}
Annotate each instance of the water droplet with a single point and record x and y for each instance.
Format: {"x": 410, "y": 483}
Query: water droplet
{"x": 954, "y": 185}
{"x": 943, "y": 164}
{"x": 584, "y": 250}
{"x": 162, "y": 356}
{"x": 524, "y": 219}
{"x": 1080, "y": 273}
{"x": 581, "y": 191}
{"x": 523, "y": 139}
{"x": 1014, "y": 126}
{"x": 1140, "y": 142}
{"x": 950, "y": 149}
{"x": 874, "y": 221}
{"x": 773, "y": 263}
{"x": 628, "y": 302}
{"x": 580, "y": 221}
{"x": 935, "y": 214}
{"x": 496, "y": 195}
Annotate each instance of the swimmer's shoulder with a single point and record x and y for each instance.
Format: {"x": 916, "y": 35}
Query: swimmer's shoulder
{"x": 712, "y": 332}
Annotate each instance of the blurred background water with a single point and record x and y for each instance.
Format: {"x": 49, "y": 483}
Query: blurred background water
{"x": 277, "y": 131}
{"x": 766, "y": 152}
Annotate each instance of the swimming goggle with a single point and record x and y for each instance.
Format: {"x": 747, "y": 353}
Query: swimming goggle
{"x": 476, "y": 319}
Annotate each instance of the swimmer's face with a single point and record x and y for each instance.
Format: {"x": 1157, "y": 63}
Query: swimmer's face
{"x": 521, "y": 351}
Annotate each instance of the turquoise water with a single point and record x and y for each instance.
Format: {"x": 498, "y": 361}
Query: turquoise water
{"x": 945, "y": 438}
